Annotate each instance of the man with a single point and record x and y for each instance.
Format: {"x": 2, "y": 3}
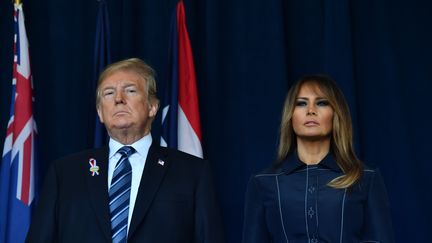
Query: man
{"x": 133, "y": 190}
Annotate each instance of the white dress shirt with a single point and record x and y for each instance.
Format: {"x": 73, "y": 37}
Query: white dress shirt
{"x": 137, "y": 161}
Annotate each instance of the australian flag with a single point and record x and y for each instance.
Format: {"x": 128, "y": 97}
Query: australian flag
{"x": 181, "y": 127}
{"x": 18, "y": 168}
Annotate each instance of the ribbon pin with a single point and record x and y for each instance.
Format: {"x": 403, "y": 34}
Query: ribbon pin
{"x": 94, "y": 169}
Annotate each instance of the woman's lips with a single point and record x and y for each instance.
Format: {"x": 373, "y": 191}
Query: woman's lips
{"x": 311, "y": 123}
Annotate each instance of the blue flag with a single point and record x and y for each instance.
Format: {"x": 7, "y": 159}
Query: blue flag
{"x": 170, "y": 102}
{"x": 102, "y": 57}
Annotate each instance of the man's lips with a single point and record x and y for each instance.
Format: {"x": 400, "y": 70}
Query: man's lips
{"x": 119, "y": 113}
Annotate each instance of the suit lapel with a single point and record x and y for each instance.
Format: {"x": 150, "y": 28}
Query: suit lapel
{"x": 98, "y": 189}
{"x": 154, "y": 171}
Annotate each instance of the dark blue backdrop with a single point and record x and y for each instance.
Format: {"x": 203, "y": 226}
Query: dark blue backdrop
{"x": 247, "y": 54}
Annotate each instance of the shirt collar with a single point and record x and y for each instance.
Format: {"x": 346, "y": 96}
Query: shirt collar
{"x": 141, "y": 146}
{"x": 293, "y": 163}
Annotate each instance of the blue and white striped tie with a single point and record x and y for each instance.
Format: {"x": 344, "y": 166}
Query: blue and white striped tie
{"x": 119, "y": 194}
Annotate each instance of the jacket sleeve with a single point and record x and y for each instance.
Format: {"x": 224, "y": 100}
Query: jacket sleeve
{"x": 254, "y": 226}
{"x": 377, "y": 224}
{"x": 43, "y": 228}
{"x": 208, "y": 220}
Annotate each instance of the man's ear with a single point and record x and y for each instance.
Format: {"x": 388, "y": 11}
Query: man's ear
{"x": 99, "y": 113}
{"x": 154, "y": 107}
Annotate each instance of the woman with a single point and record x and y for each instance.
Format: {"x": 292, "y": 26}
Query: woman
{"x": 318, "y": 190}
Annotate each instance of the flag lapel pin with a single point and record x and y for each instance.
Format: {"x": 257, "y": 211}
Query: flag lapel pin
{"x": 161, "y": 162}
{"x": 94, "y": 169}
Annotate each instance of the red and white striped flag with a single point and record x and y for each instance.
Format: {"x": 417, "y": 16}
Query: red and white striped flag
{"x": 181, "y": 127}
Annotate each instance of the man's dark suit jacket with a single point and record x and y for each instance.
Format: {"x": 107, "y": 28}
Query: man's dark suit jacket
{"x": 175, "y": 202}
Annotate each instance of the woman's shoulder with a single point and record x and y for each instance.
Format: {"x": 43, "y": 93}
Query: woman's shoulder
{"x": 370, "y": 177}
{"x": 278, "y": 167}
{"x": 370, "y": 172}
{"x": 271, "y": 171}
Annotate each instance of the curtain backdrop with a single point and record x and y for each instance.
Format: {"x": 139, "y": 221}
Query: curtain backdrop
{"x": 247, "y": 54}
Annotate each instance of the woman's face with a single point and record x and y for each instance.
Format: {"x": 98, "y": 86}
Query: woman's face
{"x": 313, "y": 116}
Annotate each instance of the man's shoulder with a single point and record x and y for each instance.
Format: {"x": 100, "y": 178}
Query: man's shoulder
{"x": 174, "y": 153}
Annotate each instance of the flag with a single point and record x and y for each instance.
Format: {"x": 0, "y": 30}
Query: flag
{"x": 102, "y": 57}
{"x": 18, "y": 168}
{"x": 181, "y": 127}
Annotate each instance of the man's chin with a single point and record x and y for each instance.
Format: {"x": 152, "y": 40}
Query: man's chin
{"x": 121, "y": 126}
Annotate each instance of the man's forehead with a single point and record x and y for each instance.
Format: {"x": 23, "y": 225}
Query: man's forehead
{"x": 121, "y": 80}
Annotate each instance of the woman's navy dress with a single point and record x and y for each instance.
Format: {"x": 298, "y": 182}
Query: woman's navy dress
{"x": 294, "y": 204}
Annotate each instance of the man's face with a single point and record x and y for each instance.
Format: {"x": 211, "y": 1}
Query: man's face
{"x": 124, "y": 105}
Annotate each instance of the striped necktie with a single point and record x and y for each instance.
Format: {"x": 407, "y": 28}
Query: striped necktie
{"x": 119, "y": 194}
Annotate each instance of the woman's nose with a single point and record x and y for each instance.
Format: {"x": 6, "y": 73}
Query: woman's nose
{"x": 311, "y": 110}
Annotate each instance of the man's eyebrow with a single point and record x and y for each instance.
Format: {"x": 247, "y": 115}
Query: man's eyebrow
{"x": 129, "y": 85}
{"x": 108, "y": 87}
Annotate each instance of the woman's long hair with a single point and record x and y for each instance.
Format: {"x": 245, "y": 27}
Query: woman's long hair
{"x": 341, "y": 138}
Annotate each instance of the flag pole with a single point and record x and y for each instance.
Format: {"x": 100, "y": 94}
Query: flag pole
{"x": 17, "y": 2}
